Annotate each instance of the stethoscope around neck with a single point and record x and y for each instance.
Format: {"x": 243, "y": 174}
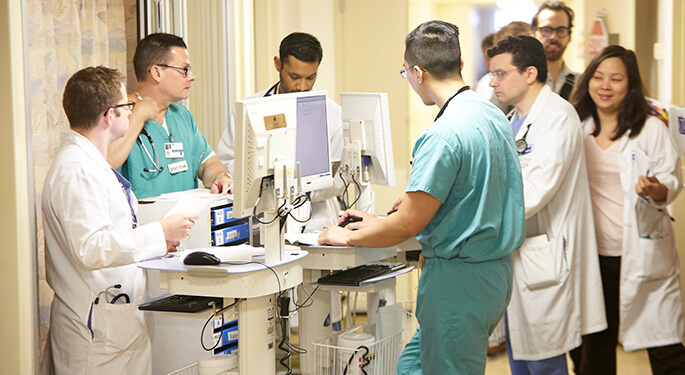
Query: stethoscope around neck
{"x": 273, "y": 90}
{"x": 155, "y": 161}
{"x": 521, "y": 143}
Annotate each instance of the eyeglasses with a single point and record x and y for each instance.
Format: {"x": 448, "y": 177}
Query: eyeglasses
{"x": 185, "y": 70}
{"x": 562, "y": 31}
{"x": 130, "y": 106}
{"x": 403, "y": 72}
{"x": 499, "y": 74}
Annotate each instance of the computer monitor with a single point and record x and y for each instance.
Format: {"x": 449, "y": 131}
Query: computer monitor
{"x": 367, "y": 156}
{"x": 273, "y": 164}
{"x": 312, "y": 150}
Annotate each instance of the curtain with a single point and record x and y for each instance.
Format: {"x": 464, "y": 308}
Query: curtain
{"x": 65, "y": 36}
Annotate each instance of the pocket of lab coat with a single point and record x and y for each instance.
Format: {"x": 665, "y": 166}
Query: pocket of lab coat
{"x": 656, "y": 249}
{"x": 120, "y": 327}
{"x": 541, "y": 261}
{"x": 656, "y": 257}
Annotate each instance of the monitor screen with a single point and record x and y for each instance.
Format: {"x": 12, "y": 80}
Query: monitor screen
{"x": 312, "y": 151}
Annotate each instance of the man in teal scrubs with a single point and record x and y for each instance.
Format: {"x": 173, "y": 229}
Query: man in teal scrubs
{"x": 463, "y": 202}
{"x": 168, "y": 153}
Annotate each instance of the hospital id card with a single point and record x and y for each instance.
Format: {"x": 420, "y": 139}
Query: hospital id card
{"x": 173, "y": 150}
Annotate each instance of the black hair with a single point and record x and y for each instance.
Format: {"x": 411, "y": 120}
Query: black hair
{"x": 304, "y": 47}
{"x": 434, "y": 47}
{"x": 525, "y": 51}
{"x": 633, "y": 111}
{"x": 154, "y": 49}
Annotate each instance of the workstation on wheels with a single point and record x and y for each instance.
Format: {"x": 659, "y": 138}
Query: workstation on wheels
{"x": 262, "y": 279}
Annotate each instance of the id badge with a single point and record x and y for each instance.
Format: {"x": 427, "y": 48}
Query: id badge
{"x": 173, "y": 150}
{"x": 179, "y": 166}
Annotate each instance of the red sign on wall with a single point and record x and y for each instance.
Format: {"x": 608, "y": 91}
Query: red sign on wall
{"x": 599, "y": 38}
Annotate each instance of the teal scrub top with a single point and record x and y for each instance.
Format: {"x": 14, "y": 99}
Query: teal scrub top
{"x": 140, "y": 170}
{"x": 468, "y": 161}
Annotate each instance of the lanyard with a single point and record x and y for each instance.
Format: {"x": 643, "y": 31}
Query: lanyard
{"x": 448, "y": 101}
{"x": 126, "y": 187}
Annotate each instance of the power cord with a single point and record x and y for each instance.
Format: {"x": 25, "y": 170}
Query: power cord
{"x": 365, "y": 358}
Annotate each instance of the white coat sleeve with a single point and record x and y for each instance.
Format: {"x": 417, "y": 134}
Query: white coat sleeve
{"x": 94, "y": 238}
{"x": 664, "y": 158}
{"x": 555, "y": 148}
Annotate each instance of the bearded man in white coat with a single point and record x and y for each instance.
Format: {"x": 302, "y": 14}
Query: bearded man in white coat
{"x": 557, "y": 295}
{"x": 92, "y": 237}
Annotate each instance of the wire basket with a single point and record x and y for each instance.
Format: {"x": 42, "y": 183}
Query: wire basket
{"x": 193, "y": 369}
{"x": 382, "y": 356}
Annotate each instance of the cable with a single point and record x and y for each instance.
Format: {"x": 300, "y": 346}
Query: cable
{"x": 359, "y": 191}
{"x": 215, "y": 314}
{"x": 364, "y": 357}
{"x": 345, "y": 197}
{"x": 297, "y": 204}
{"x": 309, "y": 298}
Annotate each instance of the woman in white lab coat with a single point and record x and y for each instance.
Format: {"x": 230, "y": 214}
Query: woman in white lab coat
{"x": 634, "y": 172}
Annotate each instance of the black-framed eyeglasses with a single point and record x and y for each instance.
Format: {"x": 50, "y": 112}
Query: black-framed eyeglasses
{"x": 546, "y": 31}
{"x": 185, "y": 70}
{"x": 130, "y": 106}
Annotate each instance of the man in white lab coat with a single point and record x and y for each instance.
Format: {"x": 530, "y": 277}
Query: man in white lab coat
{"x": 297, "y": 64}
{"x": 557, "y": 295}
{"x": 92, "y": 238}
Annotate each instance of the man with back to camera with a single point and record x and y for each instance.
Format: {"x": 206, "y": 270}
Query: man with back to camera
{"x": 548, "y": 315}
{"x": 168, "y": 153}
{"x": 297, "y": 64}
{"x": 92, "y": 238}
{"x": 464, "y": 166}
{"x": 553, "y": 24}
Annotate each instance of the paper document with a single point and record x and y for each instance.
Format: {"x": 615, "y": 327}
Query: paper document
{"x": 192, "y": 201}
{"x": 311, "y": 238}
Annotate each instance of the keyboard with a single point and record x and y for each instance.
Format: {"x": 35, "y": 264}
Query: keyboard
{"x": 180, "y": 303}
{"x": 355, "y": 275}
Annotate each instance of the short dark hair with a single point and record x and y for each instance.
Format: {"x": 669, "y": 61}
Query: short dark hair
{"x": 525, "y": 51}
{"x": 488, "y": 41}
{"x": 633, "y": 111}
{"x": 556, "y": 6}
{"x": 154, "y": 49}
{"x": 302, "y": 46}
{"x": 434, "y": 46}
{"x": 89, "y": 93}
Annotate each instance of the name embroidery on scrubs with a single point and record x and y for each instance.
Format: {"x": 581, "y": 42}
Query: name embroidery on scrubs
{"x": 179, "y": 166}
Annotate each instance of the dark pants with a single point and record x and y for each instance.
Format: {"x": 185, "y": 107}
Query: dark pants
{"x": 598, "y": 352}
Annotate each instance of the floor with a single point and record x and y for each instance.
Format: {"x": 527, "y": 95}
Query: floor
{"x": 632, "y": 363}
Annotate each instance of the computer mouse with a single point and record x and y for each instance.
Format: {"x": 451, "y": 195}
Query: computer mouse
{"x": 201, "y": 258}
{"x": 350, "y": 219}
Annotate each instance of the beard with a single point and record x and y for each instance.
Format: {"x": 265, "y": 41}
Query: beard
{"x": 557, "y": 53}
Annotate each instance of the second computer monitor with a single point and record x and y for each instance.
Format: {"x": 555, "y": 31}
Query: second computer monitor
{"x": 366, "y": 120}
